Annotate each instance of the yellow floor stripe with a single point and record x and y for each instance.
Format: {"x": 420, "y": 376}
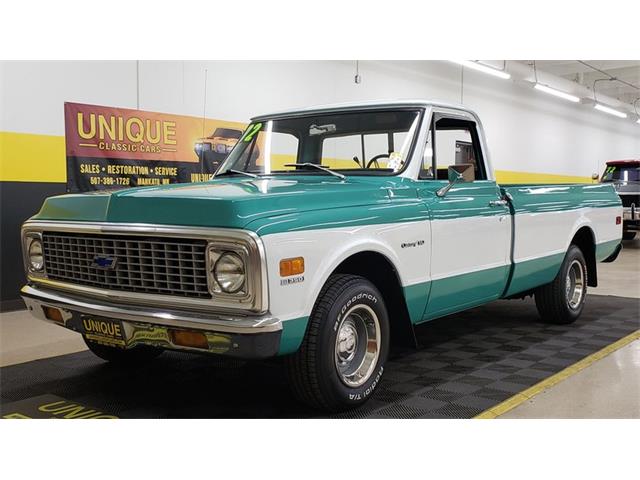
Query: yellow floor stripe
{"x": 530, "y": 392}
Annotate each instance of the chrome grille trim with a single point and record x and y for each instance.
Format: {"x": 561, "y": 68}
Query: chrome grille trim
{"x": 143, "y": 264}
{"x": 255, "y": 301}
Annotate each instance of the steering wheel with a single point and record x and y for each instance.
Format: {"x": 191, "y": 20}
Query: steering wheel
{"x": 374, "y": 160}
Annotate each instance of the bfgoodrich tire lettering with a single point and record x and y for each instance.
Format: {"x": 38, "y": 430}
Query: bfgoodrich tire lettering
{"x": 324, "y": 373}
{"x": 562, "y": 301}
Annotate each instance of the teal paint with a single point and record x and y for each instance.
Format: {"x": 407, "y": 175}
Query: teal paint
{"x": 292, "y": 334}
{"x": 606, "y": 249}
{"x": 288, "y": 203}
{"x": 533, "y": 273}
{"x": 416, "y": 299}
{"x": 554, "y": 198}
{"x": 460, "y": 292}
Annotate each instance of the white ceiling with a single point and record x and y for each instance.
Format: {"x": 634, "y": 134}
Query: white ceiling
{"x": 584, "y": 73}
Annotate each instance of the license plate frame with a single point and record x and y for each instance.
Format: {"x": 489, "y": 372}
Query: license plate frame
{"x": 102, "y": 330}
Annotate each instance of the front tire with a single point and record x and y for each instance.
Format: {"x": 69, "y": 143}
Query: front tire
{"x": 123, "y": 356}
{"x": 344, "y": 351}
{"x": 561, "y": 302}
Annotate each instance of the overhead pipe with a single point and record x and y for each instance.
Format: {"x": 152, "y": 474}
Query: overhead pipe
{"x": 524, "y": 73}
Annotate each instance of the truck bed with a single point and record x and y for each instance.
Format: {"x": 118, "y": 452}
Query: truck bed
{"x": 547, "y": 218}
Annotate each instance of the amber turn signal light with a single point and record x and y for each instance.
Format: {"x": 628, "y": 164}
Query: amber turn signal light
{"x": 185, "y": 338}
{"x": 53, "y": 314}
{"x": 291, "y": 266}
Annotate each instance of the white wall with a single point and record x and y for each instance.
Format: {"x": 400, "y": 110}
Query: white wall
{"x": 527, "y": 130}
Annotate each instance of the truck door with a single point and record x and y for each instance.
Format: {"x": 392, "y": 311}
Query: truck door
{"x": 470, "y": 223}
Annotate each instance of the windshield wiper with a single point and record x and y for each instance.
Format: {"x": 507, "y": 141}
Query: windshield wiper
{"x": 318, "y": 167}
{"x": 239, "y": 172}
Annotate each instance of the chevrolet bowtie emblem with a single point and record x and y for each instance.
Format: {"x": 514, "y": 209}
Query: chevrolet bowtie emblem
{"x": 105, "y": 263}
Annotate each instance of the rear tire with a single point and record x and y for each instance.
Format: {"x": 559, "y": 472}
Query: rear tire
{"x": 561, "y": 302}
{"x": 118, "y": 355}
{"x": 628, "y": 235}
{"x": 344, "y": 351}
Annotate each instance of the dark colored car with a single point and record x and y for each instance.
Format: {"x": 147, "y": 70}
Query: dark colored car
{"x": 625, "y": 175}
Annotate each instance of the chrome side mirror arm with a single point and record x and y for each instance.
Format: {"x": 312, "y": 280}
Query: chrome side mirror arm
{"x": 444, "y": 190}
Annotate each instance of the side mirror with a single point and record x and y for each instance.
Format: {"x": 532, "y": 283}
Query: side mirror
{"x": 595, "y": 177}
{"x": 460, "y": 173}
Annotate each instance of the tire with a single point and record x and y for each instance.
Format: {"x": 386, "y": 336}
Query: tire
{"x": 121, "y": 356}
{"x": 628, "y": 235}
{"x": 333, "y": 370}
{"x": 561, "y": 302}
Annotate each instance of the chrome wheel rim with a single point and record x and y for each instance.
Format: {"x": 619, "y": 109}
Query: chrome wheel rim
{"x": 357, "y": 345}
{"x": 574, "y": 285}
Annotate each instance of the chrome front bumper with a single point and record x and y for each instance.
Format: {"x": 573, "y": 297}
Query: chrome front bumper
{"x": 233, "y": 335}
{"x": 631, "y": 213}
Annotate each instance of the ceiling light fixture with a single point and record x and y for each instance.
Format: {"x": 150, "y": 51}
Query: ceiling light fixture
{"x": 556, "y": 93}
{"x": 483, "y": 68}
{"x": 610, "y": 111}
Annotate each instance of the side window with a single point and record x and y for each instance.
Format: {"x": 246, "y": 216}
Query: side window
{"x": 452, "y": 142}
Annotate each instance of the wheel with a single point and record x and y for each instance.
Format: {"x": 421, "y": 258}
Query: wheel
{"x": 138, "y": 354}
{"x": 561, "y": 301}
{"x": 628, "y": 235}
{"x": 342, "y": 356}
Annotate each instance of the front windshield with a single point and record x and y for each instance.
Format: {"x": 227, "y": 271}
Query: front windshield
{"x": 376, "y": 142}
{"x": 619, "y": 173}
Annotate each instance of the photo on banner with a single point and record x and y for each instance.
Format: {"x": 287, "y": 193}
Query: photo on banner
{"x": 110, "y": 147}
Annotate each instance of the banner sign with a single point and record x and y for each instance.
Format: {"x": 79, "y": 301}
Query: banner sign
{"x": 111, "y": 147}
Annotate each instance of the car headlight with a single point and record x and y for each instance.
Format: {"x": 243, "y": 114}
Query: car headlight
{"x": 229, "y": 272}
{"x": 36, "y": 255}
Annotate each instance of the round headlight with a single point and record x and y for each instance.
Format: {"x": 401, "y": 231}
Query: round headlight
{"x": 36, "y": 258}
{"x": 229, "y": 272}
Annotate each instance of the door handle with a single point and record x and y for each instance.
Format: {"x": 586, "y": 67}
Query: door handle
{"x": 498, "y": 203}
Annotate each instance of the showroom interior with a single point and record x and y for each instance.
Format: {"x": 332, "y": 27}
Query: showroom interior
{"x": 545, "y": 122}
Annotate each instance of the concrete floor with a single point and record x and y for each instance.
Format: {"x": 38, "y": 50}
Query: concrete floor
{"x": 610, "y": 388}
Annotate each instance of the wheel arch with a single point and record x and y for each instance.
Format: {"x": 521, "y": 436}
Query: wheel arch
{"x": 380, "y": 270}
{"x": 585, "y": 240}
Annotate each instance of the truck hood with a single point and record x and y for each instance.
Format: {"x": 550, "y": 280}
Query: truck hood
{"x": 229, "y": 202}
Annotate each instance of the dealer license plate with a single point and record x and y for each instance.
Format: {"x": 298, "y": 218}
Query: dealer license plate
{"x": 103, "y": 330}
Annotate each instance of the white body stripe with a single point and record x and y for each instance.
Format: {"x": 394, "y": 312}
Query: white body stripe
{"x": 451, "y": 247}
{"x": 323, "y": 250}
{"x": 547, "y": 233}
{"x": 470, "y": 244}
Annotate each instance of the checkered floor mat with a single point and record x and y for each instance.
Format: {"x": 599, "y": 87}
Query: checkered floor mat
{"x": 466, "y": 363}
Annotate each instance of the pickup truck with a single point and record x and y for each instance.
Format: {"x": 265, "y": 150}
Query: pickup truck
{"x": 625, "y": 176}
{"x": 352, "y": 224}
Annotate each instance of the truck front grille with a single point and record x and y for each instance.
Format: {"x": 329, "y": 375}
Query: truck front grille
{"x": 170, "y": 266}
{"x": 628, "y": 199}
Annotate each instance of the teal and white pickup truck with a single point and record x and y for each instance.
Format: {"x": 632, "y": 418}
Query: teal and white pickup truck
{"x": 326, "y": 234}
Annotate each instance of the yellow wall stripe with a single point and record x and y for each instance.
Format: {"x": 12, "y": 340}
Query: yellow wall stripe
{"x": 549, "y": 382}
{"x": 26, "y": 157}
{"x": 508, "y": 176}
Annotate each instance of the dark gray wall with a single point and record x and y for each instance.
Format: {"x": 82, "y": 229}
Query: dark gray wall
{"x": 18, "y": 201}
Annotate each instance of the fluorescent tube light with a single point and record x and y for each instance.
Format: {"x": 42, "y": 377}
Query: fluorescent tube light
{"x": 483, "y": 68}
{"x": 610, "y": 111}
{"x": 556, "y": 93}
